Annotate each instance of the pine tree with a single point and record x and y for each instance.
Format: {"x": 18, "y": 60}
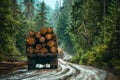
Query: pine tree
{"x": 7, "y": 29}
{"x": 29, "y": 8}
{"x": 41, "y": 16}
{"x": 112, "y": 56}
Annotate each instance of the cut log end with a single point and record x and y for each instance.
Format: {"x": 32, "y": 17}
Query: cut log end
{"x": 42, "y": 39}
{"x": 31, "y": 33}
{"x": 37, "y": 35}
{"x": 38, "y": 46}
{"x": 49, "y": 30}
{"x": 53, "y": 50}
{"x": 48, "y": 36}
{"x": 30, "y": 50}
{"x": 43, "y": 31}
{"x": 51, "y": 43}
{"x": 30, "y": 40}
{"x": 43, "y": 50}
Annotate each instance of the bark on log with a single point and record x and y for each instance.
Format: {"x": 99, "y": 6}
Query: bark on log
{"x": 53, "y": 50}
{"x": 43, "y": 50}
{"x": 49, "y": 30}
{"x": 48, "y": 36}
{"x": 42, "y": 39}
{"x": 51, "y": 43}
{"x": 43, "y": 31}
{"x": 60, "y": 50}
{"x": 30, "y": 50}
{"x": 37, "y": 35}
{"x": 43, "y": 45}
{"x": 36, "y": 50}
{"x": 54, "y": 37}
{"x": 30, "y": 40}
{"x": 31, "y": 33}
{"x": 38, "y": 46}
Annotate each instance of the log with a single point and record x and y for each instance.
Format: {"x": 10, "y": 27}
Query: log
{"x": 31, "y": 33}
{"x": 43, "y": 31}
{"x": 49, "y": 30}
{"x": 48, "y": 36}
{"x": 42, "y": 39}
{"x": 54, "y": 37}
{"x": 36, "y": 50}
{"x": 51, "y": 43}
{"x": 60, "y": 50}
{"x": 43, "y": 45}
{"x": 37, "y": 35}
{"x": 30, "y": 50}
{"x": 38, "y": 46}
{"x": 53, "y": 49}
{"x": 30, "y": 40}
{"x": 43, "y": 50}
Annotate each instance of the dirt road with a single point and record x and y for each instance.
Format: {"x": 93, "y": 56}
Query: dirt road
{"x": 65, "y": 71}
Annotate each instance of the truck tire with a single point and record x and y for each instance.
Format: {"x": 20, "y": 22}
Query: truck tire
{"x": 31, "y": 64}
{"x": 54, "y": 64}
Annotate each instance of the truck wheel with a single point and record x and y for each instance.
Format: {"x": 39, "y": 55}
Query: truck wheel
{"x": 54, "y": 63}
{"x": 53, "y": 66}
{"x": 31, "y": 64}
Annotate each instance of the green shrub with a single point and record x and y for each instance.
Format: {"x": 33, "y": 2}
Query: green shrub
{"x": 76, "y": 58}
{"x": 94, "y": 56}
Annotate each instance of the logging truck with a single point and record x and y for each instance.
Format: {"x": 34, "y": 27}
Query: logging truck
{"x": 42, "y": 49}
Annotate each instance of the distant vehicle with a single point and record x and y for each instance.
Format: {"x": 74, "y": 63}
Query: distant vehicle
{"x": 41, "y": 49}
{"x": 60, "y": 53}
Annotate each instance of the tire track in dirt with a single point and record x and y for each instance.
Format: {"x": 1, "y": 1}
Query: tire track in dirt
{"x": 66, "y": 71}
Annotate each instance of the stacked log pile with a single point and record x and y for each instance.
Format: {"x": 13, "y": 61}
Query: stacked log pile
{"x": 41, "y": 42}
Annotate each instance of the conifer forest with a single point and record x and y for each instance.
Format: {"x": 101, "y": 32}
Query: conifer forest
{"x": 89, "y": 30}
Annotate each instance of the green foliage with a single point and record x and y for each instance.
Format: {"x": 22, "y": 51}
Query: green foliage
{"x": 77, "y": 56}
{"x": 41, "y": 16}
{"x": 94, "y": 56}
{"x": 115, "y": 62}
{"x": 7, "y": 29}
{"x": 88, "y": 28}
